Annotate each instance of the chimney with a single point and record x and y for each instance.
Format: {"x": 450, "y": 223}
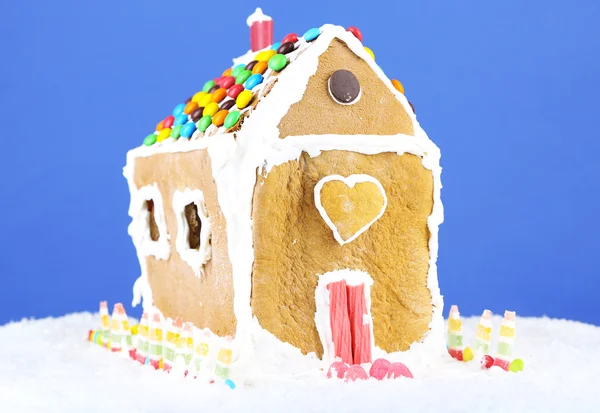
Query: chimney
{"x": 261, "y": 30}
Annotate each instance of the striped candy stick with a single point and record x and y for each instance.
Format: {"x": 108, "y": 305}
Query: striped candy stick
{"x": 506, "y": 341}
{"x": 185, "y": 346}
{"x": 202, "y": 349}
{"x": 142, "y": 340}
{"x": 104, "y": 323}
{"x": 155, "y": 340}
{"x": 126, "y": 340}
{"x": 455, "y": 334}
{"x": 116, "y": 329}
{"x": 170, "y": 344}
{"x": 223, "y": 365}
{"x": 483, "y": 334}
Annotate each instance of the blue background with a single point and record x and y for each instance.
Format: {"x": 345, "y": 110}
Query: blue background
{"x": 508, "y": 90}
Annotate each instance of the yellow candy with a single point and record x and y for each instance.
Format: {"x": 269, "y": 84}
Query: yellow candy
{"x": 196, "y": 98}
{"x": 265, "y": 55}
{"x": 163, "y": 134}
{"x": 205, "y": 100}
{"x": 370, "y": 52}
{"x": 243, "y": 99}
{"x": 135, "y": 329}
{"x": 211, "y": 109}
{"x": 468, "y": 354}
{"x": 398, "y": 85}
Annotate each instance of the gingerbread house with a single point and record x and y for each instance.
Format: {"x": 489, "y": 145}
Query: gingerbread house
{"x": 295, "y": 195}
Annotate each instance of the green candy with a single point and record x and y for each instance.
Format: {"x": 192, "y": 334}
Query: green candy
{"x": 204, "y": 123}
{"x": 208, "y": 85}
{"x": 237, "y": 70}
{"x": 176, "y": 131}
{"x": 516, "y": 366}
{"x": 150, "y": 140}
{"x": 232, "y": 119}
{"x": 278, "y": 62}
{"x": 242, "y": 77}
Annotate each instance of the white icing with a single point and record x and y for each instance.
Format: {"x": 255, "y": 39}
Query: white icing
{"x": 257, "y": 145}
{"x": 350, "y": 182}
{"x": 195, "y": 258}
{"x": 256, "y": 17}
{"x": 323, "y": 304}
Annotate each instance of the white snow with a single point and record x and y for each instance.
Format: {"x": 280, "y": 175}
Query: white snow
{"x": 48, "y": 366}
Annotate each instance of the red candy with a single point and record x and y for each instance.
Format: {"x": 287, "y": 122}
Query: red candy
{"x": 355, "y": 32}
{"x": 503, "y": 364}
{"x": 487, "y": 362}
{"x": 292, "y": 37}
{"x": 339, "y": 368}
{"x": 219, "y": 80}
{"x": 168, "y": 122}
{"x": 227, "y": 82}
{"x": 456, "y": 354}
{"x": 400, "y": 370}
{"x": 234, "y": 91}
{"x": 380, "y": 369}
{"x": 356, "y": 372}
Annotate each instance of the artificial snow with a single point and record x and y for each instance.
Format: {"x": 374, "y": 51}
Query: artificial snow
{"x": 49, "y": 366}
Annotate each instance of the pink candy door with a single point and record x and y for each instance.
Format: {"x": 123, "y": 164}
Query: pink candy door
{"x": 350, "y": 322}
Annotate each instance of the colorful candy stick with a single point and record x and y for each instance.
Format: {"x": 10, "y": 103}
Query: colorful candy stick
{"x": 169, "y": 347}
{"x": 506, "y": 341}
{"x": 202, "y": 349}
{"x": 155, "y": 341}
{"x": 223, "y": 365}
{"x": 116, "y": 330}
{"x": 185, "y": 346}
{"x": 104, "y": 323}
{"x": 127, "y": 340}
{"x": 483, "y": 334}
{"x": 142, "y": 340}
{"x": 455, "y": 334}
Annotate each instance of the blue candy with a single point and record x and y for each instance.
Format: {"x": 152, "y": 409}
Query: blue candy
{"x": 180, "y": 119}
{"x": 255, "y": 79}
{"x": 188, "y": 130}
{"x": 276, "y": 46}
{"x": 178, "y": 109}
{"x": 312, "y": 34}
{"x": 230, "y": 383}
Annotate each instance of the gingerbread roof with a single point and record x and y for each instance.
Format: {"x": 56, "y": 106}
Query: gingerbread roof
{"x": 222, "y": 103}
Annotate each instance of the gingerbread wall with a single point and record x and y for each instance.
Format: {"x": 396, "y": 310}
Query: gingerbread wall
{"x": 206, "y": 301}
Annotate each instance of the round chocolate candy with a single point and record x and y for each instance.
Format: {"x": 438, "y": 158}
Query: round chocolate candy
{"x": 253, "y": 81}
{"x": 188, "y": 130}
{"x": 227, "y": 104}
{"x": 278, "y": 62}
{"x": 344, "y": 87}
{"x": 196, "y": 114}
{"x": 188, "y": 100}
{"x": 150, "y": 139}
{"x": 312, "y": 34}
{"x": 286, "y": 48}
{"x": 250, "y": 65}
{"x": 243, "y": 76}
{"x": 204, "y": 123}
{"x": 232, "y": 119}
{"x": 214, "y": 88}
{"x": 355, "y": 32}
{"x": 292, "y": 37}
{"x": 207, "y": 86}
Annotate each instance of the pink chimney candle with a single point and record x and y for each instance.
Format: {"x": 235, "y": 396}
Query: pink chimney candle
{"x": 261, "y": 30}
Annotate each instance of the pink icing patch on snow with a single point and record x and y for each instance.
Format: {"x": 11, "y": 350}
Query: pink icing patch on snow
{"x": 340, "y": 322}
{"x": 356, "y": 372}
{"x": 381, "y": 369}
{"x": 360, "y": 331}
{"x": 400, "y": 370}
{"x": 339, "y": 368}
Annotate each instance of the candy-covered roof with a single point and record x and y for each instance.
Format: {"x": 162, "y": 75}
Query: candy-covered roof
{"x": 222, "y": 103}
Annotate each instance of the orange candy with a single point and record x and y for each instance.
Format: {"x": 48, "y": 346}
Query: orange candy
{"x": 219, "y": 94}
{"x": 398, "y": 85}
{"x": 160, "y": 125}
{"x": 190, "y": 107}
{"x": 227, "y": 72}
{"x": 219, "y": 117}
{"x": 260, "y": 67}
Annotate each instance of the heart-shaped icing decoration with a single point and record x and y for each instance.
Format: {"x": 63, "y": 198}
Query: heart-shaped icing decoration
{"x": 350, "y": 205}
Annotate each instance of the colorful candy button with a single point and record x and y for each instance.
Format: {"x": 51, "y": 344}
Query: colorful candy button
{"x": 178, "y": 109}
{"x": 219, "y": 80}
{"x": 214, "y": 88}
{"x": 286, "y": 48}
{"x": 242, "y": 77}
{"x": 398, "y": 85}
{"x": 312, "y": 34}
{"x": 227, "y": 72}
{"x": 190, "y": 107}
{"x": 176, "y": 132}
{"x": 181, "y": 119}
{"x": 278, "y": 62}
{"x": 164, "y": 134}
{"x": 227, "y": 82}
{"x": 188, "y": 130}
{"x": 159, "y": 125}
{"x": 243, "y": 99}
{"x": 516, "y": 366}
{"x": 232, "y": 119}
{"x": 219, "y": 94}
{"x": 234, "y": 91}
{"x": 253, "y": 81}
{"x": 150, "y": 140}
{"x": 211, "y": 109}
{"x": 227, "y": 104}
{"x": 168, "y": 122}
{"x": 275, "y": 46}
{"x": 250, "y": 65}
{"x": 205, "y": 100}
{"x": 208, "y": 85}
{"x": 292, "y": 37}
{"x": 237, "y": 70}
{"x": 260, "y": 67}
{"x": 204, "y": 123}
{"x": 219, "y": 117}
{"x": 355, "y": 32}
{"x": 196, "y": 98}
{"x": 265, "y": 55}
{"x": 370, "y": 52}
{"x": 197, "y": 114}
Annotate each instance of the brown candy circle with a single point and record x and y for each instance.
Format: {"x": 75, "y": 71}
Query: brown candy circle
{"x": 214, "y": 88}
{"x": 286, "y": 48}
{"x": 344, "y": 86}
{"x": 228, "y": 104}
{"x": 251, "y": 65}
{"x": 196, "y": 114}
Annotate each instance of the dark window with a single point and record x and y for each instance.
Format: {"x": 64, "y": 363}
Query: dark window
{"x": 194, "y": 224}
{"x": 154, "y": 233}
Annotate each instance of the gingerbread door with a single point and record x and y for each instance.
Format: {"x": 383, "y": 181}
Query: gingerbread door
{"x": 350, "y": 322}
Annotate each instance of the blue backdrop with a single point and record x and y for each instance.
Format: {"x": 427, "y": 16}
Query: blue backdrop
{"x": 508, "y": 90}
